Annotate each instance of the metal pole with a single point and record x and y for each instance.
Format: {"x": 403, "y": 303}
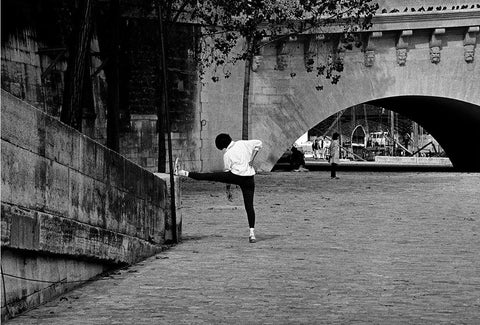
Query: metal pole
{"x": 415, "y": 136}
{"x": 392, "y": 130}
{"x": 167, "y": 125}
{"x": 246, "y": 90}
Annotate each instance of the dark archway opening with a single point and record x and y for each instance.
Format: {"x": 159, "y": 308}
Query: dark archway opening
{"x": 453, "y": 123}
{"x": 444, "y": 128}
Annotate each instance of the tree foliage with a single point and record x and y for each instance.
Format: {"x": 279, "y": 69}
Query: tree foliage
{"x": 260, "y": 22}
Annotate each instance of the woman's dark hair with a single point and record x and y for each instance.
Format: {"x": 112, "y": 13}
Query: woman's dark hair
{"x": 335, "y": 136}
{"x": 222, "y": 141}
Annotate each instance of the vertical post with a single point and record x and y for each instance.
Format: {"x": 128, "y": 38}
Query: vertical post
{"x": 338, "y": 122}
{"x": 420, "y": 137}
{"x": 366, "y": 118}
{"x": 167, "y": 124}
{"x": 246, "y": 89}
{"x": 339, "y": 128}
{"x": 354, "y": 117}
{"x": 415, "y": 136}
{"x": 354, "y": 125}
{"x": 392, "y": 130}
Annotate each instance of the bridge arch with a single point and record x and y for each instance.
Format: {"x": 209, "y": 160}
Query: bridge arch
{"x": 442, "y": 97}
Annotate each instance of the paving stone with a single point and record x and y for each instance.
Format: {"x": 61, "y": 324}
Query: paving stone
{"x": 369, "y": 248}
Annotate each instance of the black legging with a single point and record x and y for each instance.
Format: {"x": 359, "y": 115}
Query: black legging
{"x": 333, "y": 170}
{"x": 246, "y": 183}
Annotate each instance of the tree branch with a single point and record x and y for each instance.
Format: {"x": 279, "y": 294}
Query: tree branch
{"x": 180, "y": 10}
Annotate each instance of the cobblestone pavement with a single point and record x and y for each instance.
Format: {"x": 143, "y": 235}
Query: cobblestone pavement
{"x": 385, "y": 248}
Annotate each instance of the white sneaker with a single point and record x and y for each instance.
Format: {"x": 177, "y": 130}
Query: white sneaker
{"x": 182, "y": 173}
{"x": 176, "y": 169}
{"x": 252, "y": 239}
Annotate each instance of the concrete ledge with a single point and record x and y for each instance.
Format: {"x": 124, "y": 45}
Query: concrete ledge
{"x": 431, "y": 161}
{"x": 49, "y": 234}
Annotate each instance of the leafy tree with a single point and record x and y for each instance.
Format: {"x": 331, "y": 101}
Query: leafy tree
{"x": 226, "y": 23}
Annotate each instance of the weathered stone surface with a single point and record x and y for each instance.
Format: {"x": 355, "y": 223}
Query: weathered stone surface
{"x": 57, "y": 189}
{"x": 67, "y": 197}
{"x": 103, "y": 190}
{"x": 23, "y": 177}
{"x": 62, "y": 275}
{"x": 22, "y": 126}
{"x": 168, "y": 210}
{"x": 36, "y": 231}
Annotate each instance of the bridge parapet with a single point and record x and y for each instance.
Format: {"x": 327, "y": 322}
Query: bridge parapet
{"x": 425, "y": 20}
{"x": 419, "y": 6}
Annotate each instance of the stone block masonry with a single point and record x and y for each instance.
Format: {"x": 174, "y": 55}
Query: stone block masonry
{"x": 71, "y": 208}
{"x": 25, "y": 59}
{"x": 139, "y": 139}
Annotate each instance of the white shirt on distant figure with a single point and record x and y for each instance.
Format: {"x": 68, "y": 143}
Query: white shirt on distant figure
{"x": 334, "y": 152}
{"x": 238, "y": 155}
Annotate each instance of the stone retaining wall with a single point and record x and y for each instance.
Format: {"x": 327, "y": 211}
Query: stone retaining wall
{"x": 69, "y": 201}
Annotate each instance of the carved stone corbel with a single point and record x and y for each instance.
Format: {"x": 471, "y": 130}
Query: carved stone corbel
{"x": 469, "y": 43}
{"x": 371, "y": 47}
{"x": 282, "y": 55}
{"x": 402, "y": 46}
{"x": 436, "y": 45}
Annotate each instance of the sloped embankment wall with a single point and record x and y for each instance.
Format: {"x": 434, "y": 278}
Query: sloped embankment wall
{"x": 70, "y": 207}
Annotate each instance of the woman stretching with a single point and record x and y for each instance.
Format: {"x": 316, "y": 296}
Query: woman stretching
{"x": 238, "y": 161}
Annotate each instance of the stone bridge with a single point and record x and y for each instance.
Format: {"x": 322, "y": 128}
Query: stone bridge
{"x": 417, "y": 60}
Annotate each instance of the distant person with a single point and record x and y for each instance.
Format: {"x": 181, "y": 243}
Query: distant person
{"x": 316, "y": 148}
{"x": 297, "y": 160}
{"x": 321, "y": 146}
{"x": 334, "y": 155}
{"x": 238, "y": 160}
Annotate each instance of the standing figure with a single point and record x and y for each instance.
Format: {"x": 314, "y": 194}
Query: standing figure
{"x": 321, "y": 147}
{"x": 316, "y": 148}
{"x": 238, "y": 162}
{"x": 334, "y": 155}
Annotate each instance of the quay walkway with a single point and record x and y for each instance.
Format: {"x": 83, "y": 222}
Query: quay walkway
{"x": 368, "y": 248}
